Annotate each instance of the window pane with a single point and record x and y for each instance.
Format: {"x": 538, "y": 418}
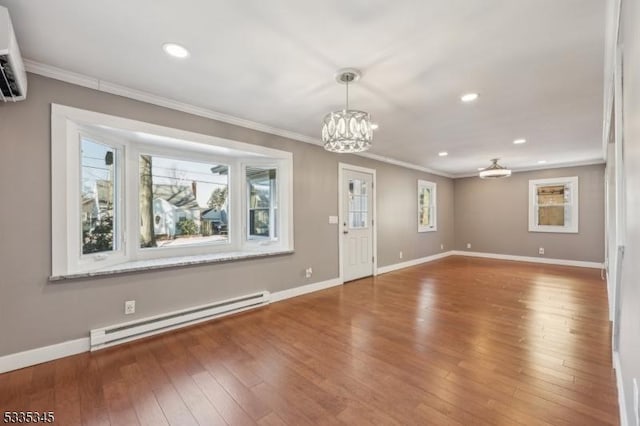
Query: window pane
{"x": 551, "y": 195}
{"x": 262, "y": 203}
{"x": 551, "y": 215}
{"x": 182, "y": 202}
{"x": 552, "y": 207}
{"x": 358, "y": 204}
{"x": 425, "y": 206}
{"x": 98, "y": 197}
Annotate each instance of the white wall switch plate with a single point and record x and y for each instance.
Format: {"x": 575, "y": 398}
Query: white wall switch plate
{"x": 468, "y": 245}
{"x": 333, "y": 220}
{"x": 541, "y": 250}
{"x": 130, "y": 307}
{"x": 441, "y": 246}
{"x": 401, "y": 255}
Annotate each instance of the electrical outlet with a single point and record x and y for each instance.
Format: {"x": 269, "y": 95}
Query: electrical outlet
{"x": 130, "y": 307}
{"x": 401, "y": 255}
{"x": 441, "y": 246}
{"x": 468, "y": 245}
{"x": 636, "y": 409}
{"x": 541, "y": 250}
{"x": 308, "y": 272}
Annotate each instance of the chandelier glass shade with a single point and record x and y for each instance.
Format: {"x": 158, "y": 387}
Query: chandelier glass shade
{"x": 347, "y": 130}
{"x": 495, "y": 171}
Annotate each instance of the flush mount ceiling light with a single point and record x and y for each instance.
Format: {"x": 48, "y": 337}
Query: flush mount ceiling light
{"x": 519, "y": 141}
{"x": 443, "y": 154}
{"x": 175, "y": 50}
{"x": 469, "y": 97}
{"x": 495, "y": 171}
{"x": 347, "y": 130}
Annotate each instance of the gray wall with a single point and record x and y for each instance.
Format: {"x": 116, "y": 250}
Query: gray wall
{"x": 35, "y": 313}
{"x": 493, "y": 215}
{"x": 630, "y": 290}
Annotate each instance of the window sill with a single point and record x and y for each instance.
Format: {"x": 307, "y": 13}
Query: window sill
{"x": 170, "y": 262}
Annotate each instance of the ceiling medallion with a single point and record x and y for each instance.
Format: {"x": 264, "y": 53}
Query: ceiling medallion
{"x": 495, "y": 171}
{"x": 347, "y": 130}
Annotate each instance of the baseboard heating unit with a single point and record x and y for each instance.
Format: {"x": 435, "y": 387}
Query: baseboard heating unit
{"x": 126, "y": 332}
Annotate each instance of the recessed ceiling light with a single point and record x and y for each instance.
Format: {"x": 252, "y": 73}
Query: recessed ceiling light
{"x": 519, "y": 141}
{"x": 469, "y": 97}
{"x": 175, "y": 50}
{"x": 374, "y": 126}
{"x": 443, "y": 154}
{"x": 542, "y": 162}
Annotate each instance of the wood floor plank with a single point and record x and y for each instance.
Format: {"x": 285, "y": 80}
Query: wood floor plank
{"x": 142, "y": 397}
{"x": 228, "y": 408}
{"x": 456, "y": 341}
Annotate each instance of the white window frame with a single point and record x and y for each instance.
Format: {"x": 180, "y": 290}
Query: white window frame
{"x": 136, "y": 150}
{"x": 106, "y": 258}
{"x": 573, "y": 183}
{"x": 257, "y": 240}
{"x": 132, "y": 138}
{"x": 422, "y": 184}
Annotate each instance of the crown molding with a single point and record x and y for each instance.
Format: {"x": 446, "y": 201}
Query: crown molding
{"x": 541, "y": 167}
{"x": 127, "y": 92}
{"x": 139, "y": 95}
{"x": 404, "y": 164}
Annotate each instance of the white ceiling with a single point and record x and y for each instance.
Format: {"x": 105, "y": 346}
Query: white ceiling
{"x": 537, "y": 64}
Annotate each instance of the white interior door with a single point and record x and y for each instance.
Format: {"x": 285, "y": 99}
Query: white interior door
{"x": 357, "y": 224}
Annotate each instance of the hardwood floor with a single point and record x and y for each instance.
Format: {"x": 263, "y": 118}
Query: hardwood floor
{"x": 458, "y": 341}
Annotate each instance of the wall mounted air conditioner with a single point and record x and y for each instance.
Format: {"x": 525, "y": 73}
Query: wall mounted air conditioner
{"x": 13, "y": 78}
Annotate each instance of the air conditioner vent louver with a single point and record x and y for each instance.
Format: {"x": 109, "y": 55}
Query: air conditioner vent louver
{"x": 8, "y": 81}
{"x": 13, "y": 78}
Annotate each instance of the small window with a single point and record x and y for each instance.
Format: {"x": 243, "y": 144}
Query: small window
{"x": 262, "y": 212}
{"x": 358, "y": 204}
{"x": 182, "y": 202}
{"x": 553, "y": 205}
{"x": 426, "y": 206}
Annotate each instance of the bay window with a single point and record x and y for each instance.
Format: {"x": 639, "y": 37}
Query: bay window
{"x": 126, "y": 194}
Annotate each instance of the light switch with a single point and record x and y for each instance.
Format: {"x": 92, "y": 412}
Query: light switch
{"x": 333, "y": 220}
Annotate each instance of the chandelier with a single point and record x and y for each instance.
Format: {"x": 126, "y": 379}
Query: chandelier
{"x": 347, "y": 130}
{"x": 495, "y": 171}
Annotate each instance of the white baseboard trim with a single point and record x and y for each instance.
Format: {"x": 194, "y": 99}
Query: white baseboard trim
{"x": 548, "y": 261}
{"x": 621, "y": 400}
{"x": 304, "y": 289}
{"x": 73, "y": 347}
{"x": 413, "y": 262}
{"x": 44, "y": 354}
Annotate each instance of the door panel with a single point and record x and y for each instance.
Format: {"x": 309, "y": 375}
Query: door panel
{"x": 357, "y": 229}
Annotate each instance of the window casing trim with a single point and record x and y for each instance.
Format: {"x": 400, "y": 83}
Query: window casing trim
{"x": 574, "y": 203}
{"x": 67, "y": 124}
